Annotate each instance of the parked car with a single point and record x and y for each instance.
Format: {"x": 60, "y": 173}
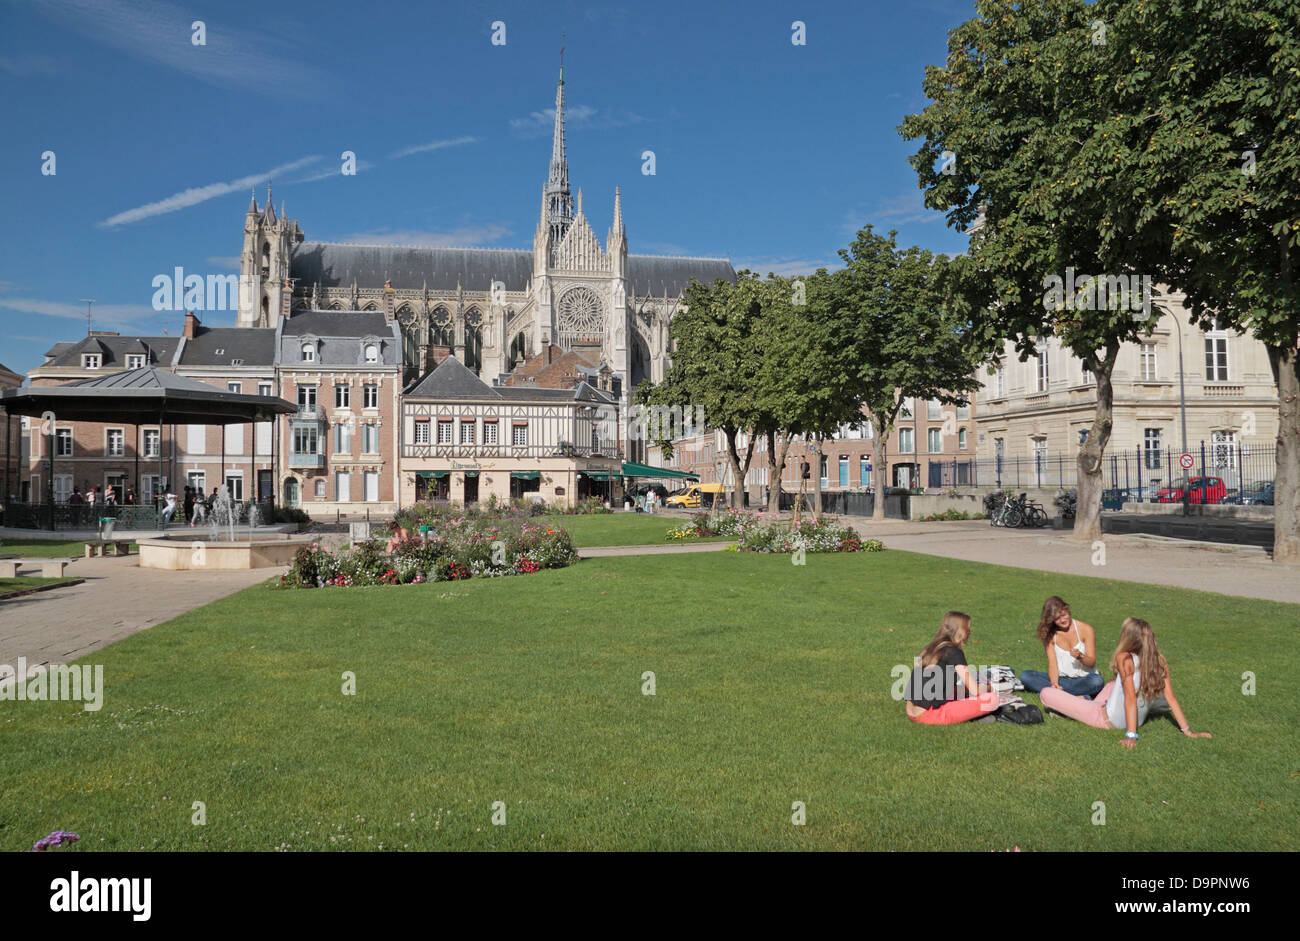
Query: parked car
{"x": 1200, "y": 490}
{"x": 697, "y": 495}
{"x": 1259, "y": 494}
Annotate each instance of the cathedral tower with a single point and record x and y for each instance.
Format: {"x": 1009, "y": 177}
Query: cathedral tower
{"x": 265, "y": 290}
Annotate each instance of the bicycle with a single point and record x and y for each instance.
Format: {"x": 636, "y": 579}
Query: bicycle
{"x": 1010, "y": 514}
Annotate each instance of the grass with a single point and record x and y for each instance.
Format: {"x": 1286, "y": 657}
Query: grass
{"x": 40, "y": 549}
{"x": 10, "y": 586}
{"x": 622, "y": 529}
{"x": 773, "y": 686}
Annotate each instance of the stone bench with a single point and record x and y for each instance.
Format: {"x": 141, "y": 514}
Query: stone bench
{"x": 102, "y": 547}
{"x": 50, "y": 568}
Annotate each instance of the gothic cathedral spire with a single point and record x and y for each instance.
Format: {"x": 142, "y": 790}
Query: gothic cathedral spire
{"x": 559, "y": 201}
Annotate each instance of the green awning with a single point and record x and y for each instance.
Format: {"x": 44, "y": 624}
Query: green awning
{"x": 599, "y": 474}
{"x": 525, "y": 475}
{"x": 645, "y": 470}
{"x": 471, "y": 473}
{"x": 432, "y": 475}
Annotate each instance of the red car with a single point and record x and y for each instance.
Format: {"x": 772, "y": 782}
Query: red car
{"x": 1202, "y": 490}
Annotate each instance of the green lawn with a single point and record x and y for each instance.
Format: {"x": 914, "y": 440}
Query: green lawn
{"x": 622, "y": 529}
{"x": 9, "y": 586}
{"x": 40, "y": 549}
{"x": 773, "y": 686}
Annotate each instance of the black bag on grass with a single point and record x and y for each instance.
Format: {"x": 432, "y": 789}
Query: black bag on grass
{"x": 1020, "y": 712}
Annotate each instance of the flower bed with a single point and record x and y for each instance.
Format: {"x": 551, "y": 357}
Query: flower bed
{"x": 730, "y": 524}
{"x": 450, "y": 549}
{"x": 810, "y": 535}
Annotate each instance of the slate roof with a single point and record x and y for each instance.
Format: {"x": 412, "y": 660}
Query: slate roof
{"x": 474, "y": 269}
{"x": 254, "y": 345}
{"x": 655, "y": 275}
{"x": 114, "y": 350}
{"x": 338, "y": 323}
{"x": 453, "y": 380}
{"x": 409, "y": 268}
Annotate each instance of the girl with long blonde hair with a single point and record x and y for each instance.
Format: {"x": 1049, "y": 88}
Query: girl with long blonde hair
{"x": 941, "y": 690}
{"x": 1141, "y": 678}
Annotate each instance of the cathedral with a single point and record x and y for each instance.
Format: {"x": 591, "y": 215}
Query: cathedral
{"x": 493, "y": 309}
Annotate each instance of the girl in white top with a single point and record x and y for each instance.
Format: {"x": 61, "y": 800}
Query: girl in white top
{"x": 1141, "y": 677}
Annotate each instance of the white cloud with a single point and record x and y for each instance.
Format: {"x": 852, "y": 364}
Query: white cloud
{"x": 584, "y": 117}
{"x": 199, "y": 194}
{"x": 454, "y": 238}
{"x": 433, "y": 145}
{"x": 782, "y": 265}
{"x": 908, "y": 207}
{"x": 330, "y": 171}
{"x": 114, "y": 316}
{"x": 161, "y": 32}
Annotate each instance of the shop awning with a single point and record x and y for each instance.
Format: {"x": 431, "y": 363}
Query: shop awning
{"x": 471, "y": 473}
{"x": 645, "y": 470}
{"x": 432, "y": 475}
{"x": 525, "y": 475}
{"x": 600, "y": 474}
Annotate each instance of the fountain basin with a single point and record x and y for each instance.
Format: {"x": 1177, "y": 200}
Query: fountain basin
{"x": 184, "y": 553}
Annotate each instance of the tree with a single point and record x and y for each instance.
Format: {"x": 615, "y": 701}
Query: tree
{"x": 1206, "y": 98}
{"x": 714, "y": 367}
{"x": 905, "y": 340}
{"x": 1025, "y": 88}
{"x": 807, "y": 375}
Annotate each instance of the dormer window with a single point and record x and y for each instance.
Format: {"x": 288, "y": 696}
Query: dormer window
{"x": 135, "y": 360}
{"x": 308, "y": 353}
{"x": 372, "y": 353}
{"x": 90, "y": 360}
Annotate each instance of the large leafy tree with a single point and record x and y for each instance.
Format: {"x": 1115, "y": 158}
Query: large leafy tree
{"x": 1200, "y": 154}
{"x": 1026, "y": 88}
{"x": 715, "y": 367}
{"x": 901, "y": 333}
{"x": 808, "y": 376}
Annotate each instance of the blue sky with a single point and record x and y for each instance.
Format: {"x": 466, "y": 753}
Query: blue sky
{"x": 767, "y": 153}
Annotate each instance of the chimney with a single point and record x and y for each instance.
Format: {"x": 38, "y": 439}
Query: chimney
{"x": 191, "y": 325}
{"x": 438, "y": 354}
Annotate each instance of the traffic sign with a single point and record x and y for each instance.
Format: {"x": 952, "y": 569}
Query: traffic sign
{"x": 1185, "y": 462}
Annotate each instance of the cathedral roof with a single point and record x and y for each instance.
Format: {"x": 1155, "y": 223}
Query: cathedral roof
{"x": 657, "y": 275}
{"x": 410, "y": 267}
{"x": 474, "y": 269}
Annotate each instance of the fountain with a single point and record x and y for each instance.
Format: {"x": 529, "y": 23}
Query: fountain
{"x": 222, "y": 550}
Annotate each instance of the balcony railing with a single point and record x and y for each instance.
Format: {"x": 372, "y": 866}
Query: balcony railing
{"x": 306, "y": 460}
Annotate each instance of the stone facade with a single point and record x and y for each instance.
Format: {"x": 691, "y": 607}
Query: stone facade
{"x": 1044, "y": 405}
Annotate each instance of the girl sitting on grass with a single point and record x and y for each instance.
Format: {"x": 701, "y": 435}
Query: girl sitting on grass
{"x": 934, "y": 696}
{"x": 1071, "y": 648}
{"x": 1141, "y": 678}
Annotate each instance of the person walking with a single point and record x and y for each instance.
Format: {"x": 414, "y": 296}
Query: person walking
{"x": 188, "y": 504}
{"x": 169, "y": 510}
{"x": 130, "y": 496}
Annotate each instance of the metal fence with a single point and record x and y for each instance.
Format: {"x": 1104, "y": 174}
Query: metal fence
{"x": 854, "y": 503}
{"x": 1142, "y": 471}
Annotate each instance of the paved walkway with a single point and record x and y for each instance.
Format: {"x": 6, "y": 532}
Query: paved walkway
{"x": 117, "y": 599}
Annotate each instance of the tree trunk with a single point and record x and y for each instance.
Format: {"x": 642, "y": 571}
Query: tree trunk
{"x": 1087, "y": 518}
{"x": 879, "y": 477}
{"x": 816, "y": 465}
{"x": 1286, "y": 490}
{"x": 738, "y": 471}
{"x": 775, "y": 469}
